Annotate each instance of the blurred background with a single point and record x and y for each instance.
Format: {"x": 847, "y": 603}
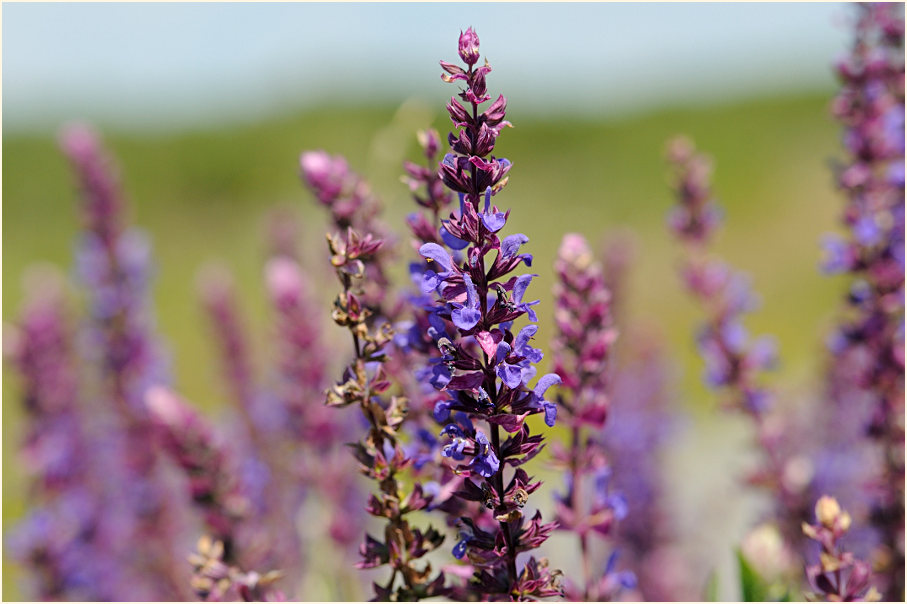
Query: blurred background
{"x": 206, "y": 108}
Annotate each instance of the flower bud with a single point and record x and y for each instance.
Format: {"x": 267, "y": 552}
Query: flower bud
{"x": 827, "y": 511}
{"x": 469, "y": 46}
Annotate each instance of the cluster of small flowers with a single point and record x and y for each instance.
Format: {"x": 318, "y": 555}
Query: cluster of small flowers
{"x": 733, "y": 362}
{"x": 379, "y": 453}
{"x": 869, "y": 344}
{"x": 839, "y": 576}
{"x": 438, "y": 374}
{"x": 582, "y": 350}
{"x": 188, "y": 438}
{"x": 480, "y": 375}
{"x": 114, "y": 266}
{"x": 351, "y": 204}
{"x": 483, "y": 368}
{"x": 285, "y": 440}
{"x": 104, "y": 458}
{"x": 55, "y": 538}
{"x": 214, "y": 580}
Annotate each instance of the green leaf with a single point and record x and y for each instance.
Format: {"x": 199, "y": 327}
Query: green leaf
{"x": 711, "y": 588}
{"x": 752, "y": 587}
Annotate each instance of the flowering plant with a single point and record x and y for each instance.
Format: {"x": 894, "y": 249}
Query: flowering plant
{"x": 440, "y": 404}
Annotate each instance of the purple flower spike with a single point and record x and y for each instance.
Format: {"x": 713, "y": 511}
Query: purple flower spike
{"x": 866, "y": 376}
{"x": 734, "y": 362}
{"x": 482, "y": 368}
{"x": 582, "y": 350}
{"x": 114, "y": 263}
{"x": 381, "y": 453}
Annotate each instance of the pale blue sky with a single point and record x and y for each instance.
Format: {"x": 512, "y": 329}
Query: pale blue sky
{"x": 177, "y": 65}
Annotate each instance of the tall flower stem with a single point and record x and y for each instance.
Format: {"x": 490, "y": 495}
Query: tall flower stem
{"x": 483, "y": 368}
{"x": 380, "y": 455}
{"x": 869, "y": 342}
{"x": 582, "y": 349}
{"x": 734, "y": 363}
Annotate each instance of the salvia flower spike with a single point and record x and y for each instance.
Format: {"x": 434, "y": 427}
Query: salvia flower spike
{"x": 839, "y": 576}
{"x": 114, "y": 265}
{"x": 485, "y": 369}
{"x": 380, "y": 453}
{"x": 582, "y": 351}
{"x": 734, "y": 362}
{"x": 869, "y": 342}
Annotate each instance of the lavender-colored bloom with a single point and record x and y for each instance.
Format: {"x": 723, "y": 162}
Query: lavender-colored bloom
{"x": 352, "y": 204}
{"x": 839, "y": 576}
{"x": 114, "y": 265}
{"x": 56, "y": 541}
{"x": 582, "y": 346}
{"x": 219, "y": 299}
{"x": 190, "y": 441}
{"x": 733, "y": 363}
{"x": 484, "y": 370}
{"x": 380, "y": 453}
{"x": 870, "y": 105}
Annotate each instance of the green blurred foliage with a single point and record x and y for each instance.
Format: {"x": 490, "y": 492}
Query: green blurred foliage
{"x": 754, "y": 588}
{"x": 203, "y": 195}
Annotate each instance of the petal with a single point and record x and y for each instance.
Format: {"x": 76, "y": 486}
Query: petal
{"x": 494, "y": 222}
{"x": 545, "y": 382}
{"x": 435, "y": 252}
{"x": 465, "y": 381}
{"x": 550, "y": 414}
{"x": 519, "y": 288}
{"x": 511, "y": 244}
{"x": 451, "y": 430}
{"x": 459, "y": 550}
{"x": 472, "y": 298}
{"x": 618, "y": 503}
{"x": 441, "y": 412}
{"x": 430, "y": 281}
{"x": 528, "y": 373}
{"x": 502, "y": 352}
{"x": 465, "y": 318}
{"x": 512, "y": 375}
{"x": 522, "y": 338}
{"x": 452, "y": 242}
{"x": 487, "y": 342}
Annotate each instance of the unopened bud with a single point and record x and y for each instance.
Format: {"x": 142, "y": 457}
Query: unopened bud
{"x": 469, "y": 46}
{"x": 827, "y": 511}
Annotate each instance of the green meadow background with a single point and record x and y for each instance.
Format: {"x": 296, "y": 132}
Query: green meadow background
{"x": 203, "y": 196}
